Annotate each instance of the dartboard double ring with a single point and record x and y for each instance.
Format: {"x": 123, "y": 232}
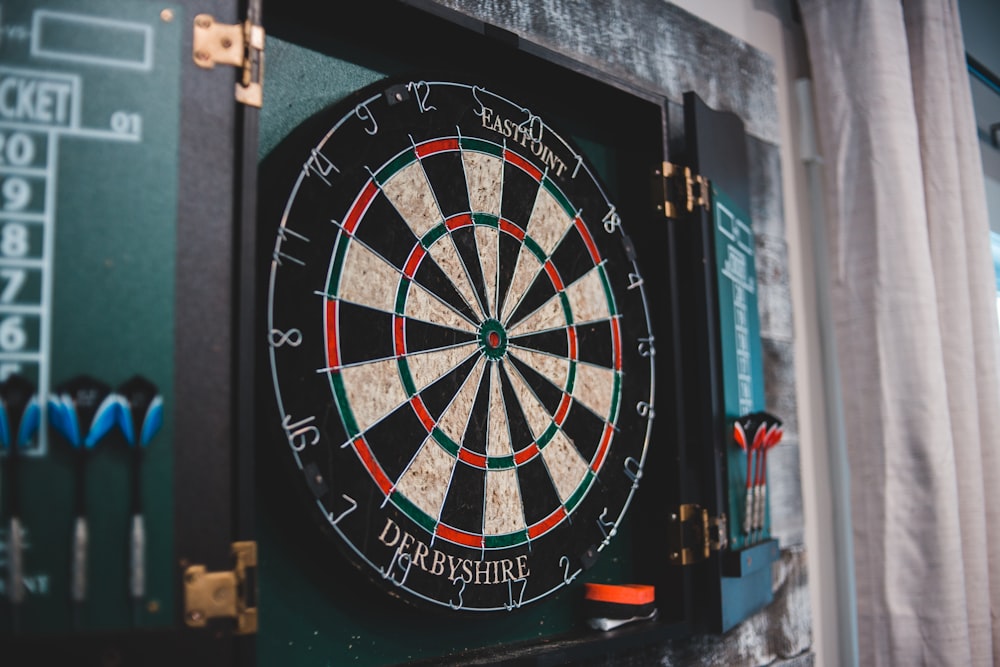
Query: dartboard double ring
{"x": 459, "y": 342}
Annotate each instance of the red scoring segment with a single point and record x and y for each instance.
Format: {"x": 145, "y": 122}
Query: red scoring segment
{"x": 563, "y": 409}
{"x": 459, "y": 536}
{"x": 602, "y": 450}
{"x": 616, "y": 338}
{"x": 473, "y": 459}
{"x": 516, "y": 159}
{"x": 553, "y": 275}
{"x": 526, "y": 454}
{"x": 360, "y": 206}
{"x": 512, "y": 229}
{"x": 436, "y": 146}
{"x": 547, "y": 523}
{"x": 422, "y": 413}
{"x": 458, "y": 221}
{"x": 413, "y": 261}
{"x": 588, "y": 239}
{"x": 398, "y": 325}
{"x": 374, "y": 469}
{"x": 332, "y": 358}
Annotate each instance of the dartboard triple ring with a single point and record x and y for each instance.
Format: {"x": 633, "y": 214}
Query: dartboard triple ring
{"x": 459, "y": 343}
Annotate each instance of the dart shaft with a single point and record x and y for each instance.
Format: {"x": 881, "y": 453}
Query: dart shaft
{"x": 749, "y": 468}
{"x": 759, "y": 523}
{"x": 761, "y": 493}
{"x": 137, "y": 558}
{"x": 762, "y": 468}
{"x": 78, "y": 579}
{"x": 753, "y": 465}
{"x": 748, "y": 511}
{"x": 136, "y": 499}
{"x": 756, "y": 508}
{"x": 80, "y": 498}
{"x": 15, "y": 561}
{"x": 13, "y": 501}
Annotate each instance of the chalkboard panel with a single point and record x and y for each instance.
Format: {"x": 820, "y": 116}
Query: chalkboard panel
{"x": 89, "y": 130}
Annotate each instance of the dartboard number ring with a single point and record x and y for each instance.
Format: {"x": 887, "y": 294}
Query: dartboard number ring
{"x": 453, "y": 324}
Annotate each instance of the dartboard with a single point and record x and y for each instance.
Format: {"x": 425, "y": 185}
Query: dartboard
{"x": 459, "y": 342}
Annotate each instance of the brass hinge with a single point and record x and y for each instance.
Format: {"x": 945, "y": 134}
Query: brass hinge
{"x": 226, "y": 594}
{"x": 677, "y": 190}
{"x": 240, "y": 45}
{"x": 694, "y": 535}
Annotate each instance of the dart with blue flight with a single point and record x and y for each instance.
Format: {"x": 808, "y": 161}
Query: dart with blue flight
{"x": 140, "y": 416}
{"x": 82, "y": 411}
{"x": 19, "y": 418}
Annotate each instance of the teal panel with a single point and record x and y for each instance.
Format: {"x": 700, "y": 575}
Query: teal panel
{"x": 744, "y": 596}
{"x": 307, "y": 82}
{"x": 92, "y": 92}
{"x": 739, "y": 333}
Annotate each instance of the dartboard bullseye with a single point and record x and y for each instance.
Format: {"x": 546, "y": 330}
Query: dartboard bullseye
{"x": 459, "y": 343}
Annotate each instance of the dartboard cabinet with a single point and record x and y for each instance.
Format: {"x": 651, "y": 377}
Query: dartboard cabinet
{"x": 461, "y": 326}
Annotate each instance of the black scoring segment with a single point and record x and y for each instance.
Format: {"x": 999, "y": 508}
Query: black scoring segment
{"x": 444, "y": 171}
{"x": 510, "y": 248}
{"x": 519, "y": 192}
{"x": 463, "y": 507}
{"x": 520, "y": 434}
{"x": 538, "y": 294}
{"x": 554, "y": 342}
{"x": 468, "y": 250}
{"x": 537, "y": 491}
{"x": 377, "y": 345}
{"x": 594, "y": 343}
{"x": 546, "y": 392}
{"x": 386, "y": 233}
{"x": 585, "y": 429}
{"x": 396, "y": 439}
{"x": 475, "y": 431}
{"x": 572, "y": 258}
{"x": 439, "y": 394}
{"x": 434, "y": 279}
{"x": 422, "y": 336}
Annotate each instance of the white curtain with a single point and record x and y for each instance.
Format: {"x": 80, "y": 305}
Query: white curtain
{"x": 912, "y": 290}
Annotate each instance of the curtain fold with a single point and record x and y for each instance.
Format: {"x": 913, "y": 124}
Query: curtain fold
{"x": 915, "y": 325}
